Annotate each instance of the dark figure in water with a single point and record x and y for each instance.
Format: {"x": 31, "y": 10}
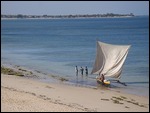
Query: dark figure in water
{"x": 76, "y": 70}
{"x": 81, "y": 69}
{"x": 86, "y": 71}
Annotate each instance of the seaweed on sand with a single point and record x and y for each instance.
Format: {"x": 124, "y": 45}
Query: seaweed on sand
{"x": 59, "y": 78}
{"x": 9, "y": 71}
{"x": 105, "y": 99}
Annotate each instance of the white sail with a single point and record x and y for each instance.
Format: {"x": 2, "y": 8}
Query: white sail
{"x": 110, "y": 59}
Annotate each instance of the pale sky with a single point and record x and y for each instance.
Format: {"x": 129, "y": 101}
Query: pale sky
{"x": 74, "y": 7}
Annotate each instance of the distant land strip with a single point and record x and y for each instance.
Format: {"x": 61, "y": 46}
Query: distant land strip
{"x": 21, "y": 16}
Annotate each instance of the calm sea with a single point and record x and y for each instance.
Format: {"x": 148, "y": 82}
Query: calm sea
{"x": 56, "y": 46}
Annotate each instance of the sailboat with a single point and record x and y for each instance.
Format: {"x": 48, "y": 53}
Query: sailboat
{"x": 109, "y": 61}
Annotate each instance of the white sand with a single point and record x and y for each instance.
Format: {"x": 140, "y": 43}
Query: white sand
{"x": 23, "y": 94}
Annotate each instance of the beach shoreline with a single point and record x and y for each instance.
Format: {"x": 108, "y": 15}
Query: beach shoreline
{"x": 81, "y": 81}
{"x": 22, "y": 93}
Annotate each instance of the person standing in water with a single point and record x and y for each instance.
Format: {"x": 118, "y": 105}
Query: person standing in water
{"x": 81, "y": 69}
{"x": 76, "y": 70}
{"x": 86, "y": 71}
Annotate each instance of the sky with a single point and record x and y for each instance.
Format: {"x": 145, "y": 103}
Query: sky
{"x": 74, "y": 7}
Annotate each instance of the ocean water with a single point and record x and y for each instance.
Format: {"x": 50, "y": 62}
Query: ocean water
{"x": 56, "y": 46}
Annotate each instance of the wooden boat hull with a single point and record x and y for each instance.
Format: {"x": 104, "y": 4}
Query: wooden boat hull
{"x": 106, "y": 82}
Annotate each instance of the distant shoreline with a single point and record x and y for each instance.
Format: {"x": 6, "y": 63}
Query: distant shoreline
{"x": 108, "y": 15}
{"x": 63, "y": 18}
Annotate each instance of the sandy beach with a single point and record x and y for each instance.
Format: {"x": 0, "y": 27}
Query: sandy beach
{"x": 19, "y": 93}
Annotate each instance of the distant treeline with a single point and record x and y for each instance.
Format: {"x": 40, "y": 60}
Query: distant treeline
{"x": 67, "y": 16}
